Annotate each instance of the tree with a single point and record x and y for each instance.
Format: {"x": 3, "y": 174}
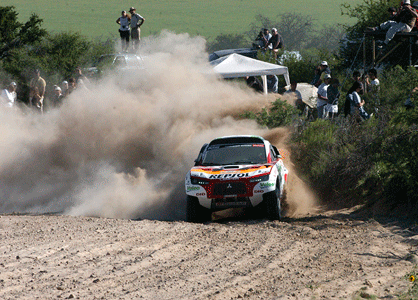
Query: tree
{"x": 13, "y": 34}
{"x": 9, "y": 26}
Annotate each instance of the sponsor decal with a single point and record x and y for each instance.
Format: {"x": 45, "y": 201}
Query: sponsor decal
{"x": 227, "y": 176}
{"x": 200, "y": 194}
{"x": 266, "y": 184}
{"x": 193, "y": 188}
{"x": 258, "y": 191}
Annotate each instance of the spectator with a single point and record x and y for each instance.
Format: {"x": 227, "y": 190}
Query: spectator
{"x": 136, "y": 22}
{"x": 58, "y": 96}
{"x": 266, "y": 37}
{"x": 276, "y": 42}
{"x": 333, "y": 94}
{"x": 404, "y": 21}
{"x": 357, "y": 78}
{"x": 37, "y": 101}
{"x": 296, "y": 94}
{"x": 81, "y": 85}
{"x": 392, "y": 13}
{"x": 357, "y": 109}
{"x": 80, "y": 76}
{"x": 272, "y": 84}
{"x": 8, "y": 96}
{"x": 37, "y": 90}
{"x": 372, "y": 81}
{"x": 72, "y": 85}
{"x": 322, "y": 70}
{"x": 317, "y": 76}
{"x": 64, "y": 88}
{"x": 322, "y": 99}
{"x": 123, "y": 21}
{"x": 254, "y": 83}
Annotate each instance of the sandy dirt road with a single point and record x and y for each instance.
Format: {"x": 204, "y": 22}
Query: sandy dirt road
{"x": 328, "y": 256}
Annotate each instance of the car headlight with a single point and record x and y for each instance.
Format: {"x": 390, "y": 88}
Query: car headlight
{"x": 260, "y": 178}
{"x": 199, "y": 181}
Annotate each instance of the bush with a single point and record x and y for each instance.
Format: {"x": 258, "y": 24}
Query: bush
{"x": 280, "y": 113}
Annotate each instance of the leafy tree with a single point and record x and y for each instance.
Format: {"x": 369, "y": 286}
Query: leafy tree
{"x": 31, "y": 32}
{"x": 9, "y": 26}
{"x": 328, "y": 38}
{"x": 13, "y": 34}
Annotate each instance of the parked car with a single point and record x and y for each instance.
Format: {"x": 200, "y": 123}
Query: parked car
{"x": 121, "y": 62}
{"x": 236, "y": 172}
{"x": 249, "y": 52}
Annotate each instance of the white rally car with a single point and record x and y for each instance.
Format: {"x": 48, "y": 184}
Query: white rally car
{"x": 236, "y": 172}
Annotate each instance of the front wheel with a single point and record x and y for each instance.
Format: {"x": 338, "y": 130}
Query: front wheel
{"x": 273, "y": 207}
{"x": 195, "y": 212}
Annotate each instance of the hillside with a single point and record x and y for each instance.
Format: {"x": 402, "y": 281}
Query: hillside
{"x": 207, "y": 18}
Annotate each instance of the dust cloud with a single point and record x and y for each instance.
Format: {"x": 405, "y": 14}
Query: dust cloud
{"x": 121, "y": 149}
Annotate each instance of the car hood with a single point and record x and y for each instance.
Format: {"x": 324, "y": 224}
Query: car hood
{"x": 230, "y": 171}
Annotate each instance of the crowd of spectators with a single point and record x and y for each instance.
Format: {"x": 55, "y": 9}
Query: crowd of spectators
{"x": 403, "y": 19}
{"x": 40, "y": 96}
{"x": 270, "y": 41}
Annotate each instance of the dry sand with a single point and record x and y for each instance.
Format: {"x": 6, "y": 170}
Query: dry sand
{"x": 327, "y": 256}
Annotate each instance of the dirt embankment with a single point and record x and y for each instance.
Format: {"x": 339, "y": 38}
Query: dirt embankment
{"x": 333, "y": 256}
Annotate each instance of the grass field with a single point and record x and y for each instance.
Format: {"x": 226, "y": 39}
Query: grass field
{"x": 96, "y": 18}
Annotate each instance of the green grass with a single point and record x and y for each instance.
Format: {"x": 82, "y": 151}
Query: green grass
{"x": 96, "y": 18}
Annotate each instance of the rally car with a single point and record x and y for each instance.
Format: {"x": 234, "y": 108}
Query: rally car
{"x": 236, "y": 172}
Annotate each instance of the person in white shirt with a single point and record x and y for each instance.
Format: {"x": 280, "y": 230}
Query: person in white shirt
{"x": 9, "y": 96}
{"x": 266, "y": 37}
{"x": 136, "y": 21}
{"x": 123, "y": 21}
{"x": 322, "y": 99}
{"x": 372, "y": 81}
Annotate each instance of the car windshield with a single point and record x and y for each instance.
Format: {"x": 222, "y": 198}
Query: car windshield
{"x": 233, "y": 154}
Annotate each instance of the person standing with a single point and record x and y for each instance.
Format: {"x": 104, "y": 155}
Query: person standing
{"x": 322, "y": 99}
{"x": 372, "y": 81}
{"x": 333, "y": 94}
{"x": 58, "y": 96}
{"x": 37, "y": 91}
{"x": 357, "y": 104}
{"x": 276, "y": 41}
{"x": 123, "y": 21}
{"x": 136, "y": 22}
{"x": 296, "y": 94}
{"x": 8, "y": 95}
{"x": 320, "y": 72}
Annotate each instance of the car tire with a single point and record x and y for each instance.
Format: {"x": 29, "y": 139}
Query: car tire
{"x": 195, "y": 212}
{"x": 273, "y": 205}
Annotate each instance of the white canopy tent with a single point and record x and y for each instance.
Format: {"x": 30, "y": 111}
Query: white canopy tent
{"x": 236, "y": 65}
